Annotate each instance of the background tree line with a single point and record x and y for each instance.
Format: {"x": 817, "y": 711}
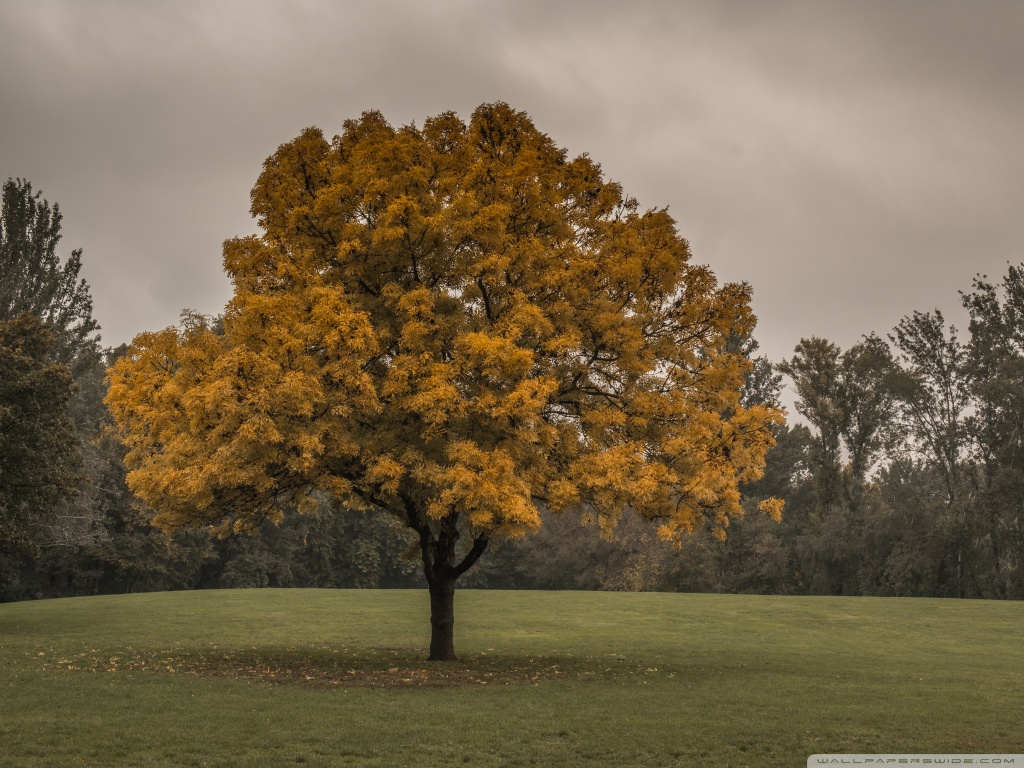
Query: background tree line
{"x": 907, "y": 477}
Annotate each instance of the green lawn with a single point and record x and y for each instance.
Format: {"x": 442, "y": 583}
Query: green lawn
{"x": 336, "y": 677}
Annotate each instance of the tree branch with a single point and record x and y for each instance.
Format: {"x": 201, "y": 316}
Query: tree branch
{"x": 478, "y": 548}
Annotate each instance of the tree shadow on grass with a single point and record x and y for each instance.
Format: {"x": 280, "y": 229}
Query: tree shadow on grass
{"x": 328, "y": 666}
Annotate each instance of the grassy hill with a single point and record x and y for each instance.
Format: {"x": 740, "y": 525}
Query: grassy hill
{"x": 337, "y": 677}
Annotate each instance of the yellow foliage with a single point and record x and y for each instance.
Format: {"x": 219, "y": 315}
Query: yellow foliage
{"x": 456, "y": 324}
{"x": 773, "y": 508}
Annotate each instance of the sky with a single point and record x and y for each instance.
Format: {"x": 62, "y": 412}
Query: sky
{"x": 852, "y": 161}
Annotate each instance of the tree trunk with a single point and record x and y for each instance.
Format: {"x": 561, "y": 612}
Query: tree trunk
{"x": 442, "y": 620}
{"x": 441, "y": 569}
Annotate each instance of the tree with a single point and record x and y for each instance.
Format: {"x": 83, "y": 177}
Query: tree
{"x": 37, "y": 454}
{"x": 762, "y": 385}
{"x": 456, "y": 325}
{"x": 33, "y": 278}
{"x": 816, "y": 371}
{"x": 933, "y": 390}
{"x": 35, "y": 282}
{"x": 848, "y": 397}
{"x": 995, "y": 362}
{"x": 869, "y": 403}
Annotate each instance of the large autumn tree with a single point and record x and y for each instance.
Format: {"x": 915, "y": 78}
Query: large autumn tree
{"x": 456, "y": 325}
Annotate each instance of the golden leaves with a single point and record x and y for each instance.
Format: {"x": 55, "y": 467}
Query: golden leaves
{"x": 486, "y": 487}
{"x": 386, "y": 473}
{"x": 773, "y": 508}
{"x": 458, "y": 317}
{"x": 493, "y": 358}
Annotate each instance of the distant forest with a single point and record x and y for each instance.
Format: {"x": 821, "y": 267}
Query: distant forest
{"x": 906, "y": 477}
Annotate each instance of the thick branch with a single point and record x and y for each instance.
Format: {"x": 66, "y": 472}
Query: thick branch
{"x": 478, "y": 548}
{"x": 486, "y": 298}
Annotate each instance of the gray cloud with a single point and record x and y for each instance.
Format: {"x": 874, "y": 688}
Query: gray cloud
{"x": 853, "y": 161}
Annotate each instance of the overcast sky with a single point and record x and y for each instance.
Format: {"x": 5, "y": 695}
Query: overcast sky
{"x": 852, "y": 161}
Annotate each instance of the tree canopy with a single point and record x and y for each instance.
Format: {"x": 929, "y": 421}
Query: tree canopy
{"x": 34, "y": 279}
{"x": 458, "y": 325}
{"x": 38, "y": 456}
{"x": 48, "y": 347}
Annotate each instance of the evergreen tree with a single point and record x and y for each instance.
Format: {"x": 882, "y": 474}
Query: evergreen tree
{"x": 33, "y": 278}
{"x": 51, "y": 394}
{"x": 37, "y": 455}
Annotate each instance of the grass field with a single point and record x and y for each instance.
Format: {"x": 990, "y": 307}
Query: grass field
{"x": 336, "y": 677}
